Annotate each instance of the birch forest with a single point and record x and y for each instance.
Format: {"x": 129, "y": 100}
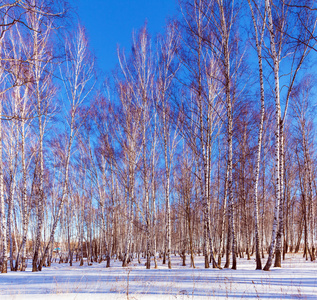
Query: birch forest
{"x": 201, "y": 142}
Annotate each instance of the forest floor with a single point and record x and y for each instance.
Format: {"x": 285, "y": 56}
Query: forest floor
{"x": 297, "y": 279}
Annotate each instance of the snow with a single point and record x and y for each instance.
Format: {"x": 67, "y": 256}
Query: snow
{"x": 297, "y": 279}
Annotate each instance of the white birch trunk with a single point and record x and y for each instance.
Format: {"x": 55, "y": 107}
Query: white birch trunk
{"x": 279, "y": 236}
{"x": 38, "y": 54}
{"x": 153, "y": 193}
{"x": 130, "y": 201}
{"x": 259, "y": 146}
{"x": 223, "y": 220}
{"x": 24, "y": 197}
{"x": 2, "y": 204}
{"x": 277, "y": 135}
{"x": 226, "y": 56}
{"x": 167, "y": 193}
{"x": 10, "y": 205}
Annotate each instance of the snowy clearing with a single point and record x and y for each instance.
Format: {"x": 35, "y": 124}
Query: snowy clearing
{"x": 296, "y": 280}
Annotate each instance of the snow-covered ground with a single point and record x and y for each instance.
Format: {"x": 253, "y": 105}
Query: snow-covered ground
{"x": 296, "y": 280}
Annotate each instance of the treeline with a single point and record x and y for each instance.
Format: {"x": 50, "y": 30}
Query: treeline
{"x": 201, "y": 142}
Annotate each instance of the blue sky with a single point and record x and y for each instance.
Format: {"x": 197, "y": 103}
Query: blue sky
{"x": 109, "y": 23}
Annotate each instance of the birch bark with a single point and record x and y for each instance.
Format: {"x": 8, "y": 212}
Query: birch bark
{"x": 2, "y": 207}
{"x": 259, "y": 41}
{"x": 275, "y": 59}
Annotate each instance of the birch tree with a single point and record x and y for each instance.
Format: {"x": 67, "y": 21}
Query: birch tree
{"x": 140, "y": 77}
{"x": 259, "y": 36}
{"x": 167, "y": 69}
{"x": 78, "y": 81}
{"x": 278, "y": 32}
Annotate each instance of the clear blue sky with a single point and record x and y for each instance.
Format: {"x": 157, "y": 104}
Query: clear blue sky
{"x": 109, "y": 23}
